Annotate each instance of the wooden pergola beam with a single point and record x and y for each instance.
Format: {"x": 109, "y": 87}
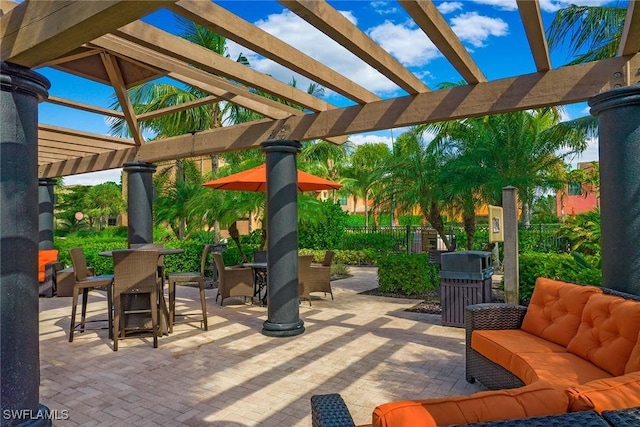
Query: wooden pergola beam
{"x": 117, "y": 81}
{"x": 332, "y": 23}
{"x": 84, "y": 107}
{"x": 177, "y": 108}
{"x": 561, "y": 86}
{"x": 429, "y": 19}
{"x": 36, "y": 32}
{"x": 225, "y": 23}
{"x": 177, "y": 69}
{"x": 533, "y": 27}
{"x": 630, "y": 41}
{"x": 178, "y": 48}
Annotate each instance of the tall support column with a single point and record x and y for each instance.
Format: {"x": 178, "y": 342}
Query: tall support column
{"x": 46, "y": 204}
{"x": 511, "y": 263}
{"x": 140, "y": 201}
{"x": 21, "y": 90}
{"x": 618, "y": 112}
{"x": 282, "y": 239}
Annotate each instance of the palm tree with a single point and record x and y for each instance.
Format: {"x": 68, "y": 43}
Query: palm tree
{"x": 413, "y": 178}
{"x": 598, "y": 29}
{"x": 486, "y": 154}
{"x": 366, "y": 169}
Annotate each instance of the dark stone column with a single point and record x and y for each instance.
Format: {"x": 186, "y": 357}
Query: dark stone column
{"x": 282, "y": 239}
{"x": 46, "y": 203}
{"x": 22, "y": 89}
{"x": 618, "y": 112}
{"x": 140, "y": 201}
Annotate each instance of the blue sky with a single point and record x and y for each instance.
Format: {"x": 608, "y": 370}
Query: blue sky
{"x": 490, "y": 29}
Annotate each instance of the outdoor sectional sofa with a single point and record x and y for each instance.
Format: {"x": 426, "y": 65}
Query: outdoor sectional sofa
{"x": 571, "y": 356}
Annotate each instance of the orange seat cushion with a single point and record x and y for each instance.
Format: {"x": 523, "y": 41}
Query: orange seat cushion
{"x": 561, "y": 369}
{"x": 45, "y": 256}
{"x": 634, "y": 359}
{"x": 555, "y": 310}
{"x": 608, "y": 332}
{"x": 530, "y": 401}
{"x": 606, "y": 394}
{"x": 499, "y": 346}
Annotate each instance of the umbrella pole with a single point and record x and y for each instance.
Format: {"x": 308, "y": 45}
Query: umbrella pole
{"x": 282, "y": 239}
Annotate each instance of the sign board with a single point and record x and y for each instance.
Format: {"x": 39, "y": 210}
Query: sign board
{"x": 496, "y": 224}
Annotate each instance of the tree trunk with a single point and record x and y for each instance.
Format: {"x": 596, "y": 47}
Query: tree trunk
{"x": 469, "y": 228}
{"x": 435, "y": 219}
{"x": 215, "y": 167}
{"x": 366, "y": 209}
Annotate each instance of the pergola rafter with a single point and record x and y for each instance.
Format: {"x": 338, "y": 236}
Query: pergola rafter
{"x": 122, "y": 51}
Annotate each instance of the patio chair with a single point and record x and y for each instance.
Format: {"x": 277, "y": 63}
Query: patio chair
{"x": 152, "y": 247}
{"x": 135, "y": 273}
{"x": 305, "y": 276}
{"x": 190, "y": 277}
{"x": 85, "y": 281}
{"x": 233, "y": 281}
{"x": 319, "y": 279}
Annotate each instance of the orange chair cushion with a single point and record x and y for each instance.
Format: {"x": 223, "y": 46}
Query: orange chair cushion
{"x": 560, "y": 369}
{"x": 634, "y": 360}
{"x": 555, "y": 310}
{"x": 606, "y": 394}
{"x": 45, "y": 256}
{"x": 499, "y": 346}
{"x": 534, "y": 400}
{"x": 608, "y": 332}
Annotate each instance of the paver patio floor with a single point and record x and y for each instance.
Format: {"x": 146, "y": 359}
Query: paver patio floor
{"x": 366, "y": 348}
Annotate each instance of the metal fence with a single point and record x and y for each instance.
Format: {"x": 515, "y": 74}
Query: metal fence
{"x": 412, "y": 239}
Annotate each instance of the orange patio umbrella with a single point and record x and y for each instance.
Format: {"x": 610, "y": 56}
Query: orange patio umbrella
{"x": 256, "y": 180}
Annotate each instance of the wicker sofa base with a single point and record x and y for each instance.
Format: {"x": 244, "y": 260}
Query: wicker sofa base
{"x": 330, "y": 410}
{"x": 489, "y": 374}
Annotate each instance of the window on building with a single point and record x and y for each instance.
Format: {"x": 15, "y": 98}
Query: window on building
{"x": 575, "y": 188}
{"x": 343, "y": 200}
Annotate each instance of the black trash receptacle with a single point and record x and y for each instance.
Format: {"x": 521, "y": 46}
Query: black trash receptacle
{"x": 465, "y": 279}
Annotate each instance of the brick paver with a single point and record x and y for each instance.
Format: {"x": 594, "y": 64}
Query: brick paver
{"x": 367, "y": 348}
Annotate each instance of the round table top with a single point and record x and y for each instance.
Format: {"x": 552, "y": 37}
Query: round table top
{"x": 163, "y": 251}
{"x": 255, "y": 264}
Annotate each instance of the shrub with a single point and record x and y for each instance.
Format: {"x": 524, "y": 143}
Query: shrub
{"x": 579, "y": 269}
{"x": 326, "y": 230}
{"x": 348, "y": 257}
{"x": 407, "y": 274}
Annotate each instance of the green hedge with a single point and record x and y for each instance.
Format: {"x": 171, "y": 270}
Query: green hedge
{"x": 556, "y": 266}
{"x": 187, "y": 261}
{"x": 347, "y": 257}
{"x": 407, "y": 274}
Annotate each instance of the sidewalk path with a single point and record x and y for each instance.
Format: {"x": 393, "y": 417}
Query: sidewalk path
{"x": 366, "y": 348}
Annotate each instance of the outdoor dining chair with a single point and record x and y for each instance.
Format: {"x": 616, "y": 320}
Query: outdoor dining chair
{"x": 152, "y": 247}
{"x": 233, "y": 281}
{"x": 190, "y": 277}
{"x": 85, "y": 281}
{"x": 319, "y": 278}
{"x": 135, "y": 273}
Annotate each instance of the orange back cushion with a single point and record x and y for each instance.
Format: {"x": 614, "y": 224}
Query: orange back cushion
{"x": 45, "y": 256}
{"x": 634, "y": 360}
{"x": 608, "y": 332}
{"x": 606, "y": 394}
{"x": 555, "y": 309}
{"x": 538, "y": 399}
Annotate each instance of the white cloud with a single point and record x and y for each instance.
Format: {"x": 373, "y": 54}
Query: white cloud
{"x": 383, "y": 8}
{"x": 298, "y": 33}
{"x": 94, "y": 178}
{"x": 545, "y": 5}
{"x": 555, "y": 5}
{"x": 476, "y": 29}
{"x": 499, "y": 4}
{"x": 373, "y": 138}
{"x": 449, "y": 6}
{"x": 408, "y": 45}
